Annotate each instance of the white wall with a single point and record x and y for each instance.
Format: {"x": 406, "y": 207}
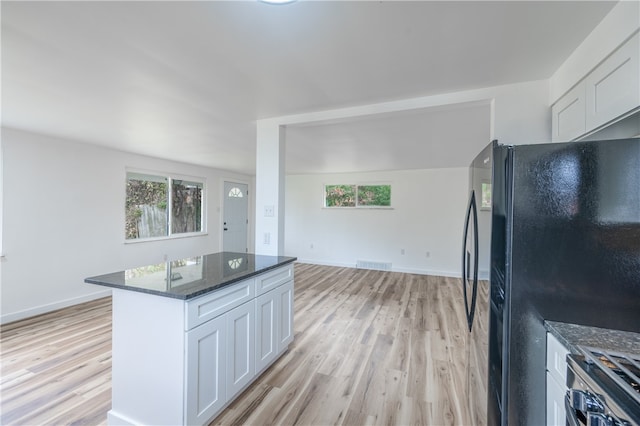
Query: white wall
{"x": 64, "y": 220}
{"x": 522, "y": 114}
{"x": 427, "y": 215}
{"x": 270, "y": 158}
{"x": 429, "y": 204}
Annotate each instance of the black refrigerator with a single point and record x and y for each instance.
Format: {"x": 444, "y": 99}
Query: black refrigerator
{"x": 558, "y": 228}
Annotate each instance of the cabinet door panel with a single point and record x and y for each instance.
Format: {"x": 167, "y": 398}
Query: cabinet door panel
{"x": 241, "y": 354}
{"x": 556, "y": 414}
{"x": 568, "y": 120}
{"x": 206, "y": 364}
{"x": 285, "y": 311}
{"x": 613, "y": 88}
{"x": 556, "y": 359}
{"x": 266, "y": 329}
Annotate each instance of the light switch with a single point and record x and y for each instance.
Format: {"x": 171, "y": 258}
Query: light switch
{"x": 269, "y": 211}
{"x": 267, "y": 238}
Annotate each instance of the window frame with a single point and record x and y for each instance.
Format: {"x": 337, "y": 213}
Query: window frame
{"x": 170, "y": 177}
{"x": 357, "y": 206}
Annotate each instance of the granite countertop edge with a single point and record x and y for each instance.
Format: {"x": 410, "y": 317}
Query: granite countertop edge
{"x": 574, "y": 335}
{"x": 196, "y": 293}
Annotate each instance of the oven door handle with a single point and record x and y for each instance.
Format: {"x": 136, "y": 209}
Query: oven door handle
{"x": 572, "y": 417}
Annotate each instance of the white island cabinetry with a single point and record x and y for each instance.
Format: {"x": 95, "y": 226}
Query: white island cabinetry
{"x": 241, "y": 352}
{"x": 181, "y": 361}
{"x": 274, "y": 318}
{"x": 206, "y": 366}
{"x": 556, "y": 381}
{"x": 285, "y": 312}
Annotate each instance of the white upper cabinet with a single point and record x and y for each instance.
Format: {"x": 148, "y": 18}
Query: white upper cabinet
{"x": 611, "y": 90}
{"x": 569, "y": 115}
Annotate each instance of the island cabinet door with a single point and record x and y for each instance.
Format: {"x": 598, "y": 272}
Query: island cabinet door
{"x": 206, "y": 366}
{"x": 285, "y": 313}
{"x": 266, "y": 329}
{"x": 241, "y": 354}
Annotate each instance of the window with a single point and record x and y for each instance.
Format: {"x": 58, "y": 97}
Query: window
{"x": 186, "y": 206}
{"x": 357, "y": 196}
{"x": 235, "y": 192}
{"x": 159, "y": 206}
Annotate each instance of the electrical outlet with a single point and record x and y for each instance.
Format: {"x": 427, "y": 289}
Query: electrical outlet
{"x": 267, "y": 238}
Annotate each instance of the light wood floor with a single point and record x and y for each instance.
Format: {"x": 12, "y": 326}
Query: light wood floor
{"x": 370, "y": 347}
{"x": 56, "y": 368}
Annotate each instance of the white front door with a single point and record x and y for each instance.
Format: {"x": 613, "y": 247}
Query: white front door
{"x": 235, "y": 217}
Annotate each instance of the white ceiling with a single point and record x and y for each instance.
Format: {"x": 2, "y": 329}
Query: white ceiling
{"x": 187, "y": 80}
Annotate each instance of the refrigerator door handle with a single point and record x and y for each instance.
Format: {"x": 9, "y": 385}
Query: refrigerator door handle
{"x": 474, "y": 293}
{"x": 471, "y": 211}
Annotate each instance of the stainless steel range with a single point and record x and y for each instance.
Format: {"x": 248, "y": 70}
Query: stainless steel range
{"x": 604, "y": 388}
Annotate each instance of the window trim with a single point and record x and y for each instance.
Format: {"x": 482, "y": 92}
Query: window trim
{"x": 356, "y": 207}
{"x": 170, "y": 178}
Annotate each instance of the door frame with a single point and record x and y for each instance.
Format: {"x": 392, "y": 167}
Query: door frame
{"x": 250, "y": 212}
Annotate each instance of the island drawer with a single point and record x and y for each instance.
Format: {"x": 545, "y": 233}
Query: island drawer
{"x": 272, "y": 279}
{"x": 209, "y": 306}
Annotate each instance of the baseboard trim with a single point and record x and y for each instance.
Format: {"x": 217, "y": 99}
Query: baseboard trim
{"x": 115, "y": 418}
{"x": 323, "y": 263}
{"x": 43, "y": 309}
{"x": 453, "y": 274}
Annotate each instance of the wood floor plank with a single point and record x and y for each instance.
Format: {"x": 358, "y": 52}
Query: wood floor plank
{"x": 370, "y": 347}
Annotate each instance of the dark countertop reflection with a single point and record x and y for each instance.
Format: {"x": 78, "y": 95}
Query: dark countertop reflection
{"x": 191, "y": 277}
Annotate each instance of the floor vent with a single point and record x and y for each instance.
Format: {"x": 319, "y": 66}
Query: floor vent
{"x": 380, "y": 266}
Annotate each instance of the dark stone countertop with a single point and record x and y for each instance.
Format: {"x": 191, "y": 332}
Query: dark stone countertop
{"x": 574, "y": 335}
{"x": 191, "y": 277}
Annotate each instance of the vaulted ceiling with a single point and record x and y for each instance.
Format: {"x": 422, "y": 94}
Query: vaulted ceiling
{"x": 188, "y": 80}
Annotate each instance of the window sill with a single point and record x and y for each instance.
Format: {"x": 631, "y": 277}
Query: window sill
{"x": 358, "y": 208}
{"x": 170, "y": 237}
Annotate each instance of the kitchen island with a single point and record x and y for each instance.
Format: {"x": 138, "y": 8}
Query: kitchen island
{"x": 189, "y": 335}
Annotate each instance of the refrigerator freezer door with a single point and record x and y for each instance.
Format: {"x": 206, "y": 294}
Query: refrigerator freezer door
{"x": 575, "y": 254}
